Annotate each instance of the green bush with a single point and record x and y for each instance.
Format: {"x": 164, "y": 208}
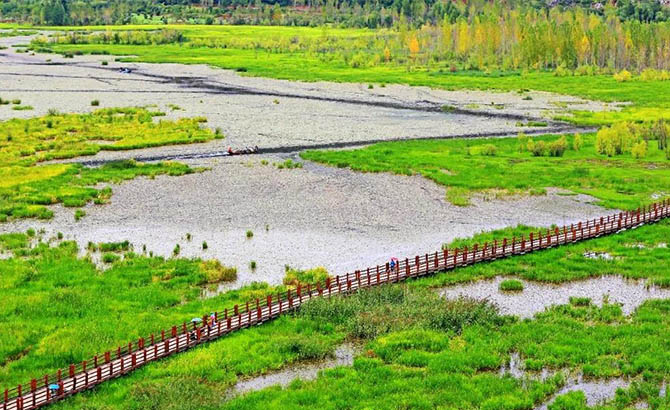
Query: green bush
{"x": 557, "y": 148}
{"x": 623, "y": 76}
{"x": 537, "y": 148}
{"x": 511, "y": 285}
{"x": 95, "y": 103}
{"x": 574, "y": 400}
{"x": 580, "y": 301}
{"x": 639, "y": 150}
{"x": 295, "y": 277}
{"x": 577, "y": 142}
{"x": 215, "y": 272}
{"x": 250, "y": 234}
{"x": 615, "y": 140}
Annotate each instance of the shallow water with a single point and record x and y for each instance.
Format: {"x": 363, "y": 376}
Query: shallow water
{"x": 536, "y": 297}
{"x": 344, "y": 356}
{"x": 596, "y": 392}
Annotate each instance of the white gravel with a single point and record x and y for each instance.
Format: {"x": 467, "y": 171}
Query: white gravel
{"x": 317, "y": 216}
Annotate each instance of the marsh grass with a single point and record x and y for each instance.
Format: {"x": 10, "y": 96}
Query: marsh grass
{"x": 511, "y": 285}
{"x": 75, "y": 309}
{"x": 480, "y": 166}
{"x": 567, "y": 263}
{"x": 27, "y": 187}
{"x": 295, "y": 277}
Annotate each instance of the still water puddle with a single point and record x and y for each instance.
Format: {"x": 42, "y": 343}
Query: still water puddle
{"x": 536, "y": 296}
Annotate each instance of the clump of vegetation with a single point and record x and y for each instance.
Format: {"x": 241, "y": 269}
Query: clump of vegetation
{"x": 78, "y": 214}
{"x": 387, "y": 309}
{"x": 639, "y": 150}
{"x": 577, "y": 142}
{"x": 252, "y": 265}
{"x": 249, "y": 234}
{"x": 110, "y": 258}
{"x": 616, "y": 140}
{"x": 22, "y": 108}
{"x": 123, "y": 246}
{"x": 216, "y": 272}
{"x": 289, "y": 164}
{"x": 557, "y": 148}
{"x": 27, "y": 186}
{"x": 177, "y": 250}
{"x": 623, "y": 76}
{"x": 580, "y": 301}
{"x": 204, "y": 245}
{"x": 95, "y": 103}
{"x": 104, "y": 62}
{"x": 511, "y": 285}
{"x": 295, "y": 277}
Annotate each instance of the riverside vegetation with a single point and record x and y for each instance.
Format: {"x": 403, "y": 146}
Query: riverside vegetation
{"x": 602, "y": 165}
{"x": 28, "y": 185}
{"x": 507, "y": 50}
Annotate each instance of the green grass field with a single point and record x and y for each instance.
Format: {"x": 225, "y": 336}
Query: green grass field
{"x": 469, "y": 166}
{"x": 28, "y": 186}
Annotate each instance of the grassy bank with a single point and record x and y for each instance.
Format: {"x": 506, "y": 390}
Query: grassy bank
{"x": 27, "y": 185}
{"x": 498, "y": 167}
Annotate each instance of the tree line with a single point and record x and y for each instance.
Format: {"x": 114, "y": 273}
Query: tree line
{"x": 346, "y": 13}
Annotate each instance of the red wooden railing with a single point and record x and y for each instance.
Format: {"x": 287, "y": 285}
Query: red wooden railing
{"x": 115, "y": 363}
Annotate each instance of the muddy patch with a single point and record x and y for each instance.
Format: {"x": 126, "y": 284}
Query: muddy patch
{"x": 537, "y": 297}
{"x": 344, "y": 356}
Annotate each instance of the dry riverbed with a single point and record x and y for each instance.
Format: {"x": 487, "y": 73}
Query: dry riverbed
{"x": 304, "y": 217}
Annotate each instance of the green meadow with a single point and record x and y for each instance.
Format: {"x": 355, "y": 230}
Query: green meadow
{"x": 503, "y": 166}
{"x": 29, "y": 183}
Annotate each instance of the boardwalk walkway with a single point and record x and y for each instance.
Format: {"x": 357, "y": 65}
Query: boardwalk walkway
{"x": 122, "y": 360}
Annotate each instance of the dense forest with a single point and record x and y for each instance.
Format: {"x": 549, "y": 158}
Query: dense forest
{"x": 345, "y": 13}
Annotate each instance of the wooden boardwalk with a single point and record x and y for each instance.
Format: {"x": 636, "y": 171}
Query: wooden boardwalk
{"x": 124, "y": 359}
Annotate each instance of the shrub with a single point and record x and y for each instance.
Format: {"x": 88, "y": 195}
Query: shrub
{"x": 59, "y": 235}
{"x": 176, "y": 250}
{"x": 623, "y": 76}
{"x": 216, "y": 272}
{"x": 557, "y": 148}
{"x": 250, "y": 234}
{"x": 204, "y": 245}
{"x": 615, "y": 140}
{"x": 577, "y": 142}
{"x": 538, "y": 149}
{"x": 252, "y": 265}
{"x": 16, "y": 102}
{"x": 30, "y": 232}
{"x": 95, "y": 103}
{"x": 295, "y": 277}
{"x": 105, "y": 62}
{"x": 188, "y": 237}
{"x": 511, "y": 285}
{"x": 488, "y": 150}
{"x": 110, "y": 258}
{"x": 639, "y": 150}
{"x": 561, "y": 71}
